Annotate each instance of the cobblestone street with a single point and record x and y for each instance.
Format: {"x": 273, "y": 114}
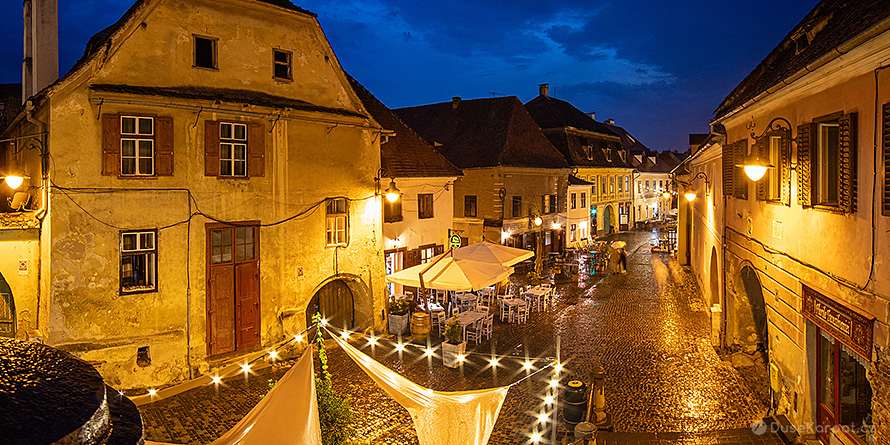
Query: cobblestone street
{"x": 647, "y": 328}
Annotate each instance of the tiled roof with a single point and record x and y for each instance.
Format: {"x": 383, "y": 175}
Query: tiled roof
{"x": 223, "y": 94}
{"x": 627, "y": 141}
{"x": 101, "y": 38}
{"x": 484, "y": 133}
{"x": 404, "y": 155}
{"x": 830, "y": 24}
{"x": 595, "y": 145}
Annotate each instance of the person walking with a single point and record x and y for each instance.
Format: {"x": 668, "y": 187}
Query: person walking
{"x": 622, "y": 260}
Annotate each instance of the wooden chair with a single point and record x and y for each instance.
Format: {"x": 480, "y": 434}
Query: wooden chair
{"x": 504, "y": 310}
{"x": 488, "y": 326}
{"x": 522, "y": 313}
{"x": 438, "y": 318}
{"x": 481, "y": 308}
{"x": 474, "y": 334}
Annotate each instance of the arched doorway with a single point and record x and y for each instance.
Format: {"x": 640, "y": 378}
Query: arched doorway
{"x": 607, "y": 220}
{"x": 7, "y": 310}
{"x": 749, "y": 310}
{"x": 715, "y": 280}
{"x": 335, "y": 302}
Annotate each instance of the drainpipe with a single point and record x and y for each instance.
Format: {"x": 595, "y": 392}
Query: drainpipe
{"x": 44, "y": 185}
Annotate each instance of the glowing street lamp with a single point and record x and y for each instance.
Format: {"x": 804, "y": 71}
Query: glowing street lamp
{"x": 755, "y": 166}
{"x": 392, "y": 193}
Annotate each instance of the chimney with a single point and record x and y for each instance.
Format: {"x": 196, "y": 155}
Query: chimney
{"x": 610, "y": 121}
{"x": 544, "y": 89}
{"x": 592, "y": 115}
{"x": 40, "y": 66}
{"x": 455, "y": 101}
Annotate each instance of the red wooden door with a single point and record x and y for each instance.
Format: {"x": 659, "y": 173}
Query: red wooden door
{"x": 233, "y": 291}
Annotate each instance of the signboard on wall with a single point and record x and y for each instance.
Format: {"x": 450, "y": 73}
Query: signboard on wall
{"x": 843, "y": 323}
{"x": 454, "y": 241}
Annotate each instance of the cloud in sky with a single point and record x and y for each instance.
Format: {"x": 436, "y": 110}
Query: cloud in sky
{"x": 659, "y": 68}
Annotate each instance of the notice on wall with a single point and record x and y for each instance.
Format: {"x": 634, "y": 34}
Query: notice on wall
{"x": 622, "y": 219}
{"x": 23, "y": 267}
{"x": 777, "y": 229}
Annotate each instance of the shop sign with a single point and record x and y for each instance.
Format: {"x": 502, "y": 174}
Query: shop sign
{"x": 850, "y": 327}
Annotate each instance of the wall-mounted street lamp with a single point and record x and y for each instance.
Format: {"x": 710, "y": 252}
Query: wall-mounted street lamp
{"x": 666, "y": 195}
{"x": 755, "y": 166}
{"x": 392, "y": 193}
{"x": 690, "y": 189}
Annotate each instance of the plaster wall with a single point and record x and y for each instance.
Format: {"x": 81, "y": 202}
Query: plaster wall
{"x": 308, "y": 157}
{"x": 579, "y": 216}
{"x": 16, "y": 246}
{"x": 649, "y": 203}
{"x": 413, "y": 232}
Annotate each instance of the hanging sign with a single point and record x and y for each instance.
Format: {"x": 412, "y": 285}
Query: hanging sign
{"x": 454, "y": 240}
{"x": 843, "y": 323}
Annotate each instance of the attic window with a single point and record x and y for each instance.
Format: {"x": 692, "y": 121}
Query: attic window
{"x": 801, "y": 41}
{"x": 608, "y": 153}
{"x": 621, "y": 154}
{"x": 588, "y": 151}
{"x": 281, "y": 64}
{"x": 205, "y": 52}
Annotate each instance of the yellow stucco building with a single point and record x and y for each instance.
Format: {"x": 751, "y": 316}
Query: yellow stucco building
{"x": 201, "y": 181}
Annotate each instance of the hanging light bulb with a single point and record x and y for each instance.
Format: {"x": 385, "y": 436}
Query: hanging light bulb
{"x": 14, "y": 181}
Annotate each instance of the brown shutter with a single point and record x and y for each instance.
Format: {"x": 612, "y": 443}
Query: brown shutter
{"x": 438, "y": 249}
{"x": 804, "y": 178}
{"x": 885, "y": 137}
{"x": 728, "y": 169}
{"x": 761, "y": 147}
{"x": 847, "y": 162}
{"x": 164, "y": 146}
{"x": 412, "y": 258}
{"x": 785, "y": 166}
{"x": 111, "y": 144}
{"x": 211, "y": 148}
{"x": 740, "y": 150}
{"x": 256, "y": 146}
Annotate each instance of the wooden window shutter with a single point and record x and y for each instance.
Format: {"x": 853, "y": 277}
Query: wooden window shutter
{"x": 728, "y": 169}
{"x": 785, "y": 165}
{"x": 740, "y": 150}
{"x": 762, "y": 148}
{"x": 412, "y": 258}
{"x": 804, "y": 177}
{"x": 438, "y": 249}
{"x": 256, "y": 147}
{"x": 847, "y": 162}
{"x": 111, "y": 144}
{"x": 211, "y": 148}
{"x": 885, "y": 137}
{"x": 164, "y": 146}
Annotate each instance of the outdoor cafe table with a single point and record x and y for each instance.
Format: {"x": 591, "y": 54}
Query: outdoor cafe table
{"x": 536, "y": 293}
{"x": 470, "y": 318}
{"x": 467, "y": 298}
{"x": 512, "y": 304}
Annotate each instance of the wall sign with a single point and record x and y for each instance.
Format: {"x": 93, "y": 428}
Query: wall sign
{"x": 850, "y": 327}
{"x": 454, "y": 240}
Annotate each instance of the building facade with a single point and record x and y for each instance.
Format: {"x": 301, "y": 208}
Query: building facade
{"x": 804, "y": 276}
{"x": 189, "y": 203}
{"x": 579, "y": 228}
{"x": 596, "y": 154}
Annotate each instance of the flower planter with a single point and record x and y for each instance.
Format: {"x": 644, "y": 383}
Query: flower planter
{"x": 398, "y": 324}
{"x": 450, "y": 351}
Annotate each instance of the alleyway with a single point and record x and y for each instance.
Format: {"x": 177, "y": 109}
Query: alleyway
{"x": 647, "y": 328}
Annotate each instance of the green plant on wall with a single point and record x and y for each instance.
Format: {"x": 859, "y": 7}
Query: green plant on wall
{"x": 334, "y": 413}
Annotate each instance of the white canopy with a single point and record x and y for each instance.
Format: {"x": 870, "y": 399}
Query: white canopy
{"x": 450, "y": 273}
{"x": 489, "y": 252}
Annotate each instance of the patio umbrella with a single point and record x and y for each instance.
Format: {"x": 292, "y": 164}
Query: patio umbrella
{"x": 489, "y": 252}
{"x": 618, "y": 244}
{"x": 449, "y": 273}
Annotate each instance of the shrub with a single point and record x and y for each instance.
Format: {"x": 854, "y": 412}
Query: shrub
{"x": 454, "y": 331}
{"x": 399, "y": 307}
{"x": 334, "y": 414}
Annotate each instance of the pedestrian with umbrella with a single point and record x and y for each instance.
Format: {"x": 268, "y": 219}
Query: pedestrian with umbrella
{"x": 618, "y": 257}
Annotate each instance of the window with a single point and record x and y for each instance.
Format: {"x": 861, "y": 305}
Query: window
{"x": 573, "y": 233}
{"x": 425, "y": 205}
{"x": 825, "y": 174}
{"x": 627, "y": 183}
{"x": 553, "y": 204}
{"x": 605, "y": 185}
{"x": 845, "y": 394}
{"x": 427, "y": 253}
{"x": 139, "y": 261}
{"x": 545, "y": 204}
{"x": 593, "y": 180}
{"x": 470, "y": 206}
{"x": 137, "y": 146}
{"x": 205, "y": 52}
{"x": 517, "y": 206}
{"x": 647, "y": 186}
{"x": 639, "y": 188}
{"x": 392, "y": 211}
{"x": 661, "y": 184}
{"x": 572, "y": 203}
{"x": 620, "y": 187}
{"x": 583, "y": 200}
{"x": 608, "y": 153}
{"x": 281, "y": 64}
{"x": 232, "y": 149}
{"x": 611, "y": 184}
{"x": 336, "y": 222}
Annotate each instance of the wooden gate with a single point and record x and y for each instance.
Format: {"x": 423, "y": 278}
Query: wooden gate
{"x": 336, "y": 304}
{"x": 233, "y": 288}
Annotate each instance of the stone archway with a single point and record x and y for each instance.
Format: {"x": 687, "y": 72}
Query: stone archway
{"x": 715, "y": 279}
{"x": 336, "y": 304}
{"x": 747, "y": 323}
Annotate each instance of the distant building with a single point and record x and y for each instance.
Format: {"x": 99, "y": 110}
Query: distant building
{"x": 196, "y": 202}
{"x": 417, "y": 226}
{"x": 578, "y": 227}
{"x": 512, "y": 174}
{"x": 598, "y": 155}
{"x": 797, "y": 260}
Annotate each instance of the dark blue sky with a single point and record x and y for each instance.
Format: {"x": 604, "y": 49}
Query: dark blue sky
{"x": 658, "y": 68}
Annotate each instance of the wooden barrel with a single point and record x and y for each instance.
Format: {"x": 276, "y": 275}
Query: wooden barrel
{"x": 420, "y": 327}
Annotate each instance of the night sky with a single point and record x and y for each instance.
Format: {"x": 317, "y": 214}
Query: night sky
{"x": 658, "y": 68}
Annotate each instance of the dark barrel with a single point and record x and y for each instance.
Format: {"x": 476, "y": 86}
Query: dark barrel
{"x": 575, "y": 404}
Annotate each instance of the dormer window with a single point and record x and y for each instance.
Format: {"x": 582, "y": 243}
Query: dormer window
{"x": 801, "y": 41}
{"x": 608, "y": 153}
{"x": 622, "y": 154}
{"x": 588, "y": 151}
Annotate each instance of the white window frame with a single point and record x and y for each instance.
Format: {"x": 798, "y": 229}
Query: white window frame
{"x": 229, "y": 161}
{"x": 146, "y": 245}
{"x": 138, "y": 138}
{"x": 336, "y": 223}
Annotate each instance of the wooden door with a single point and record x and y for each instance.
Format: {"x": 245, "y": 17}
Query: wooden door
{"x": 335, "y": 303}
{"x": 233, "y": 291}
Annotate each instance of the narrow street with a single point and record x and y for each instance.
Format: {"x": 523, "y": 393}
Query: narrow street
{"x": 647, "y": 328}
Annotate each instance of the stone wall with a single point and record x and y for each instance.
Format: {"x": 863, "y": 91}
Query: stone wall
{"x": 879, "y": 377}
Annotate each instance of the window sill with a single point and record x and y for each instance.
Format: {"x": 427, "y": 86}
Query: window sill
{"x": 828, "y": 209}
{"x": 138, "y": 291}
{"x": 205, "y": 68}
{"x": 137, "y": 177}
{"x": 282, "y": 80}
{"x": 337, "y": 245}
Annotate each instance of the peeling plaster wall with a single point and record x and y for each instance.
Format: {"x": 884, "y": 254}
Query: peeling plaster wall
{"x": 306, "y": 161}
{"x": 16, "y": 246}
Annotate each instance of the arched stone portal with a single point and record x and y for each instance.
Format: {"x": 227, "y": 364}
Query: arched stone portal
{"x": 336, "y": 303}
{"x": 748, "y": 323}
{"x": 715, "y": 279}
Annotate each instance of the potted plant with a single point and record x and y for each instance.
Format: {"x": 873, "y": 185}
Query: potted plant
{"x": 399, "y": 317}
{"x": 455, "y": 344}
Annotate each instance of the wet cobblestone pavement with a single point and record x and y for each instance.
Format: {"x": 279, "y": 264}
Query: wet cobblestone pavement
{"x": 647, "y": 328}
